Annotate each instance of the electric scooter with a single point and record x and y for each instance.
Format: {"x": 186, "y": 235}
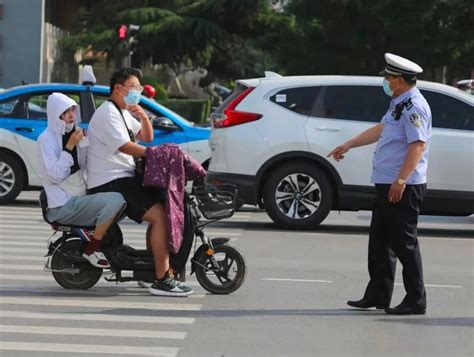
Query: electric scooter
{"x": 219, "y": 267}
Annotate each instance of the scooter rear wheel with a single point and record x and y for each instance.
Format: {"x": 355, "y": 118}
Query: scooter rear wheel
{"x": 84, "y": 275}
{"x": 232, "y": 270}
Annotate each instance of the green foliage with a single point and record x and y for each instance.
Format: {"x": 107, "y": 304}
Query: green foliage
{"x": 216, "y": 34}
{"x": 161, "y": 92}
{"x": 351, "y": 36}
{"x": 242, "y": 38}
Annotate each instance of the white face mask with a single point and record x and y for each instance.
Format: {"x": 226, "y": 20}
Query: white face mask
{"x": 69, "y": 127}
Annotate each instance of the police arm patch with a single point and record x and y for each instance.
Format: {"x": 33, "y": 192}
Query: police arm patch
{"x": 415, "y": 119}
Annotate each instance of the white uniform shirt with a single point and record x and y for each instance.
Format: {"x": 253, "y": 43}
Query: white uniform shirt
{"x": 414, "y": 124}
{"x": 107, "y": 133}
{"x": 55, "y": 163}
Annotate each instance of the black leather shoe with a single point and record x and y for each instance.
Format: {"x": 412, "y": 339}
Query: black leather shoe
{"x": 405, "y": 309}
{"x": 365, "y": 304}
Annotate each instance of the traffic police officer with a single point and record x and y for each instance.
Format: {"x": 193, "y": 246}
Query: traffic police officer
{"x": 399, "y": 174}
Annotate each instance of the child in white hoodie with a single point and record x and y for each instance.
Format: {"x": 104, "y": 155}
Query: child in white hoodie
{"x": 62, "y": 162}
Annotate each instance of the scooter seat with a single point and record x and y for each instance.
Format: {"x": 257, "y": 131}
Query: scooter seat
{"x": 57, "y": 226}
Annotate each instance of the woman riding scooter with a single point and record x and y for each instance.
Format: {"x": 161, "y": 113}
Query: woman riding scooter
{"x": 62, "y": 158}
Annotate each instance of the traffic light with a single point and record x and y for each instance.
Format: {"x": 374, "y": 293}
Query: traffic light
{"x": 127, "y": 44}
{"x": 122, "y": 32}
{"x": 125, "y": 32}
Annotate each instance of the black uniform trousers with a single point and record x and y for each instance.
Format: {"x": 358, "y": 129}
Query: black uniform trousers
{"x": 393, "y": 234}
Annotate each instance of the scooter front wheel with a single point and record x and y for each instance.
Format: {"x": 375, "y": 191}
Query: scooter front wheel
{"x": 227, "y": 276}
{"x": 72, "y": 274}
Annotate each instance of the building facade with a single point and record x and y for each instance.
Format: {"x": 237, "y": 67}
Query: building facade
{"x": 29, "y": 34}
{"x": 21, "y": 41}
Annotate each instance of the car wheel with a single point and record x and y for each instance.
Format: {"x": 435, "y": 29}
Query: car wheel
{"x": 298, "y": 196}
{"x": 11, "y": 178}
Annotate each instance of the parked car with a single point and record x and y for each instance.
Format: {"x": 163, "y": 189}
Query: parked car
{"x": 272, "y": 135}
{"x": 23, "y": 118}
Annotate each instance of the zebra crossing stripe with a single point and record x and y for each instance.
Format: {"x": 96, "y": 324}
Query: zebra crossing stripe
{"x": 23, "y": 250}
{"x": 98, "y": 291}
{"x": 22, "y": 267}
{"x": 22, "y": 257}
{"x": 18, "y": 227}
{"x": 41, "y": 244}
{"x": 46, "y": 277}
{"x": 14, "y": 229}
{"x": 17, "y": 215}
{"x": 128, "y": 237}
{"x": 102, "y": 303}
{"x": 23, "y": 244}
{"x": 89, "y": 349}
{"x": 43, "y": 330}
{"x": 97, "y": 317}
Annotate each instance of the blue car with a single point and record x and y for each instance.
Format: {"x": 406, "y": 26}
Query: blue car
{"x": 23, "y": 118}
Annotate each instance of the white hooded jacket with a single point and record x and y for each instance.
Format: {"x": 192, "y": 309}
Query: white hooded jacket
{"x": 55, "y": 163}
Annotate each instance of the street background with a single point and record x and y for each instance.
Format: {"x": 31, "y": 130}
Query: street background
{"x": 293, "y": 302}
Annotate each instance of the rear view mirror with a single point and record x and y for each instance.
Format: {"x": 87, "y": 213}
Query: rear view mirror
{"x": 164, "y": 124}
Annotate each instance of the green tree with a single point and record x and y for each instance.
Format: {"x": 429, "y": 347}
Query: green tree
{"x": 216, "y": 34}
{"x": 350, "y": 36}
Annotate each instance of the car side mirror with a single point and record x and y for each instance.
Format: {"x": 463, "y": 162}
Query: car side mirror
{"x": 164, "y": 124}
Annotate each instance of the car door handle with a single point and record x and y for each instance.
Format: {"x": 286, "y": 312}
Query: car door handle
{"x": 325, "y": 128}
{"x": 24, "y": 128}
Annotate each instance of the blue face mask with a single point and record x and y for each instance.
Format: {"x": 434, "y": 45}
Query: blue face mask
{"x": 133, "y": 97}
{"x": 386, "y": 88}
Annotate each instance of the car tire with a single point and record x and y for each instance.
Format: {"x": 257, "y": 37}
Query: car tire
{"x": 298, "y": 196}
{"x": 12, "y": 178}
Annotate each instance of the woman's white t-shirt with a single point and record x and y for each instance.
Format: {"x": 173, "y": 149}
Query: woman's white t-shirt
{"x": 107, "y": 133}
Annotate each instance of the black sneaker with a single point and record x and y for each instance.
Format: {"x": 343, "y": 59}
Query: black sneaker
{"x": 169, "y": 286}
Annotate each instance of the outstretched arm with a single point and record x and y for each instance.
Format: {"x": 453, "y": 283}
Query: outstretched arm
{"x": 367, "y": 137}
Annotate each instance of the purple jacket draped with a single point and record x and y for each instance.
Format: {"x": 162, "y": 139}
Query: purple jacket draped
{"x": 168, "y": 167}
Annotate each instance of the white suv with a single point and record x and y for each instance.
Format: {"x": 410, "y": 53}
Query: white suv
{"x": 272, "y": 135}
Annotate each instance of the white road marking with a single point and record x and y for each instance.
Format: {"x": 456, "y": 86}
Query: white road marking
{"x": 99, "y": 303}
{"x": 21, "y": 267}
{"x": 127, "y": 237}
{"x": 89, "y": 349}
{"x": 24, "y": 244}
{"x": 97, "y": 317}
{"x": 298, "y": 280}
{"x": 23, "y": 229}
{"x": 120, "y": 290}
{"x": 20, "y": 211}
{"x": 24, "y": 250}
{"x": 437, "y": 286}
{"x": 19, "y": 227}
{"x": 46, "y": 276}
{"x": 22, "y": 257}
{"x": 43, "y": 330}
{"x": 28, "y": 237}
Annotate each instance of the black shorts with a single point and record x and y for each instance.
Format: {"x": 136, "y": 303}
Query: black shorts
{"x": 139, "y": 198}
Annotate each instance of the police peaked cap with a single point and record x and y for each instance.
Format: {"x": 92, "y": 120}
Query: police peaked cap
{"x": 399, "y": 66}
